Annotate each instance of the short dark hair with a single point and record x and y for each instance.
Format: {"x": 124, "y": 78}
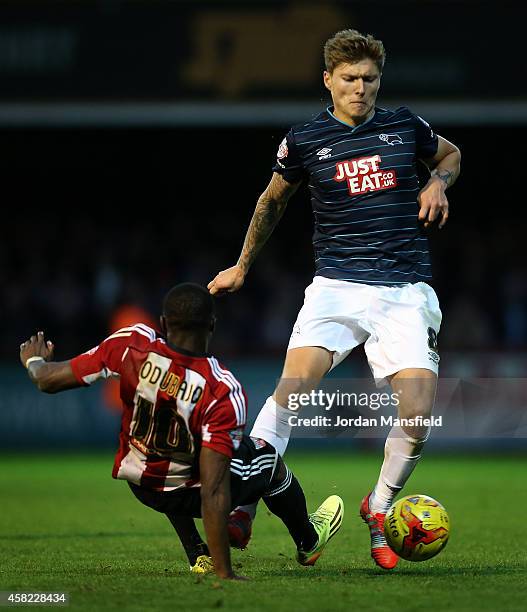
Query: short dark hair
{"x": 189, "y": 306}
{"x": 350, "y": 46}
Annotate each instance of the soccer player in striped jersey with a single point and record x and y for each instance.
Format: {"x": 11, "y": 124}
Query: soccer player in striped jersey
{"x": 371, "y": 256}
{"x": 182, "y": 448}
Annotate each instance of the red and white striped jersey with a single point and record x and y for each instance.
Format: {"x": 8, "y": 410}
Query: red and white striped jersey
{"x": 174, "y": 402}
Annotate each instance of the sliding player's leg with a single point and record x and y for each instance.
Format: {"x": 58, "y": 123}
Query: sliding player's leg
{"x": 196, "y": 549}
{"x": 285, "y": 499}
{"x": 310, "y": 532}
{"x": 258, "y": 471}
{"x": 180, "y": 507}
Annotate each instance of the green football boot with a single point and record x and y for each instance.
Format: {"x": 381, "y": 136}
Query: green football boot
{"x": 203, "y": 565}
{"x": 326, "y": 521}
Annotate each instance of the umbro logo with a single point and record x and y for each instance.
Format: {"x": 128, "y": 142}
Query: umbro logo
{"x": 324, "y": 153}
{"x": 391, "y": 139}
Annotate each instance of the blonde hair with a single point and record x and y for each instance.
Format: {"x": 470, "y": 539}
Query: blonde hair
{"x": 350, "y": 46}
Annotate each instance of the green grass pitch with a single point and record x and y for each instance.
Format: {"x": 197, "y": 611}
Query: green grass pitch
{"x": 67, "y": 526}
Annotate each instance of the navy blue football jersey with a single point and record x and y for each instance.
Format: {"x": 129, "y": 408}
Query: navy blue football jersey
{"x": 364, "y": 185}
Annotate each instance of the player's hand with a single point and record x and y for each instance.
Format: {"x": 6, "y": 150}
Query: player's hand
{"x": 36, "y": 346}
{"x": 227, "y": 281}
{"x": 433, "y": 202}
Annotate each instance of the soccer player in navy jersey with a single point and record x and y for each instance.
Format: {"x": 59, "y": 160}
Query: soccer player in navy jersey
{"x": 182, "y": 448}
{"x": 371, "y": 255}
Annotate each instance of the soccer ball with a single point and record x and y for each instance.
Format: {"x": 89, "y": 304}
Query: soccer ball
{"x": 417, "y": 527}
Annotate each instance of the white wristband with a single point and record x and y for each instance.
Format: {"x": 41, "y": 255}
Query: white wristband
{"x": 33, "y": 359}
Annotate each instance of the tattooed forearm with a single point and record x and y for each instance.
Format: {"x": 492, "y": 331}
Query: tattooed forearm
{"x": 265, "y": 217}
{"x": 269, "y": 209}
{"x": 446, "y": 176}
{"x": 448, "y": 167}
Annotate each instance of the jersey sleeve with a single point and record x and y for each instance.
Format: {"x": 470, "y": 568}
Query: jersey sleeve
{"x": 288, "y": 161}
{"x": 425, "y": 139}
{"x": 104, "y": 360}
{"x": 225, "y": 419}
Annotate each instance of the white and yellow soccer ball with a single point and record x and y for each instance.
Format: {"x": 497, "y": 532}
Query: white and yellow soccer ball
{"x": 417, "y": 527}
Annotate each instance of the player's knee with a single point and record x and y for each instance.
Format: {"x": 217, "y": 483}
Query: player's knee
{"x": 289, "y": 390}
{"x": 417, "y": 408}
{"x": 416, "y": 397}
{"x": 416, "y": 421}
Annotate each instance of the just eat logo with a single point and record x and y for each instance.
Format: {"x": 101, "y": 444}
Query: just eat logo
{"x": 363, "y": 174}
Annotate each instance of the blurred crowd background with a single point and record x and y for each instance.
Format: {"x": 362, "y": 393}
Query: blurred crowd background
{"x": 102, "y": 220}
{"x": 137, "y": 136}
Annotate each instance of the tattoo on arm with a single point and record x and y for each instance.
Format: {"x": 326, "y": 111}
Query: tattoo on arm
{"x": 445, "y": 175}
{"x": 446, "y": 163}
{"x": 269, "y": 209}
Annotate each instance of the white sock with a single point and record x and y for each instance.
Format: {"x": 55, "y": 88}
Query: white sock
{"x": 271, "y": 425}
{"x": 401, "y": 454}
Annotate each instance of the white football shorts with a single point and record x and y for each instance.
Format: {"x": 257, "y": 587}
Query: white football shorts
{"x": 398, "y": 325}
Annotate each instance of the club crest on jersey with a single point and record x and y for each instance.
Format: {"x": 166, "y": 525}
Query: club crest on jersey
{"x": 364, "y": 174}
{"x": 391, "y": 139}
{"x": 324, "y": 153}
{"x": 282, "y": 149}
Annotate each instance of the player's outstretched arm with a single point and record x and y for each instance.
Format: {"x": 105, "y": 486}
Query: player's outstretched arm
{"x": 269, "y": 209}
{"x": 215, "y": 508}
{"x": 445, "y": 166}
{"x": 49, "y": 376}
